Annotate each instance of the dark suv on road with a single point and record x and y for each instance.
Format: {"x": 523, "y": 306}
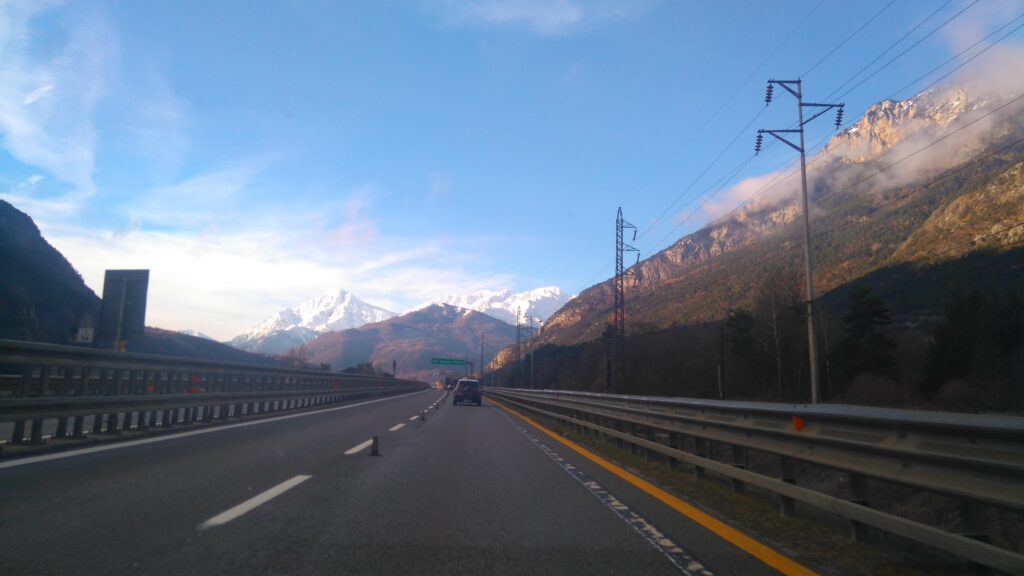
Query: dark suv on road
{"x": 466, "y": 390}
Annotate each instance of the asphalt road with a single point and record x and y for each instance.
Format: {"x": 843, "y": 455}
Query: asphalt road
{"x": 468, "y": 491}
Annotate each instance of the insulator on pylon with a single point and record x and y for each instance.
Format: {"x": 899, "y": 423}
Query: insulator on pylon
{"x": 757, "y": 143}
{"x": 839, "y": 117}
{"x": 768, "y": 94}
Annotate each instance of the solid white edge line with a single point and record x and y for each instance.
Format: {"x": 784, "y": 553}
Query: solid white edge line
{"x": 396, "y": 427}
{"x": 257, "y": 500}
{"x": 359, "y": 447}
{"x": 164, "y": 438}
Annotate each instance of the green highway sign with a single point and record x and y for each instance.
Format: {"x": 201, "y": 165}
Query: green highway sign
{"x": 448, "y": 361}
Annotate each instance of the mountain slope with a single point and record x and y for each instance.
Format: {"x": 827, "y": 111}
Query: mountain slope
{"x": 877, "y": 201}
{"x": 294, "y": 327}
{"x": 42, "y": 297}
{"x": 412, "y": 339}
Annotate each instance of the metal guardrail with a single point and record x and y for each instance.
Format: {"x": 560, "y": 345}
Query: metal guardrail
{"x": 978, "y": 459}
{"x": 122, "y": 391}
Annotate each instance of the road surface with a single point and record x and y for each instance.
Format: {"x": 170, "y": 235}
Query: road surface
{"x": 470, "y": 490}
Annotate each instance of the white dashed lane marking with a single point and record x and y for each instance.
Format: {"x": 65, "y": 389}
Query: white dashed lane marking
{"x": 359, "y": 447}
{"x": 396, "y": 427}
{"x": 252, "y": 503}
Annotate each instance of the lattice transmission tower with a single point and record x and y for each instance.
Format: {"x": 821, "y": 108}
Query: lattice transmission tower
{"x": 619, "y": 330}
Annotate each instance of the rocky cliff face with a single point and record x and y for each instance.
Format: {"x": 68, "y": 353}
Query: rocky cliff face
{"x": 886, "y": 124}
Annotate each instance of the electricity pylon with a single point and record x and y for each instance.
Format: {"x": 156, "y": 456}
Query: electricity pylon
{"x": 795, "y": 88}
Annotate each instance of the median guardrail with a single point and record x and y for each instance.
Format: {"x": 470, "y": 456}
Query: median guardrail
{"x": 78, "y": 391}
{"x": 977, "y": 459}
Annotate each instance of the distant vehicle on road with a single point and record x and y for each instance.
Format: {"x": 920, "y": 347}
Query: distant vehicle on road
{"x": 466, "y": 390}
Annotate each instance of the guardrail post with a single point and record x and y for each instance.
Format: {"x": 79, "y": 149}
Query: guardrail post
{"x": 44, "y": 380}
{"x": 146, "y": 418}
{"x": 78, "y": 429}
{"x": 62, "y": 427}
{"x": 739, "y": 460}
{"x": 972, "y": 521}
{"x": 858, "y": 495}
{"x": 112, "y": 423}
{"x": 18, "y": 436}
{"x": 37, "y": 432}
{"x": 675, "y": 440}
{"x": 974, "y": 526}
{"x": 787, "y": 506}
{"x": 701, "y": 449}
{"x": 83, "y": 382}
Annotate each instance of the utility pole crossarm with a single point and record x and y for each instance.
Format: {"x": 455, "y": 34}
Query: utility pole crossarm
{"x": 782, "y": 139}
{"x": 825, "y": 108}
{"x": 787, "y": 85}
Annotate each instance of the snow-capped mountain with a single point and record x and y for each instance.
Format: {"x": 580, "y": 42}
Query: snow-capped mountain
{"x": 503, "y": 304}
{"x": 195, "y": 333}
{"x": 293, "y": 327}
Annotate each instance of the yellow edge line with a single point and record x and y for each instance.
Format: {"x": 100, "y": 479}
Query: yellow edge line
{"x": 763, "y": 553}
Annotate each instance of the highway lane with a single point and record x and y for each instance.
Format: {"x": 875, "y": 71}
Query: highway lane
{"x": 465, "y": 492}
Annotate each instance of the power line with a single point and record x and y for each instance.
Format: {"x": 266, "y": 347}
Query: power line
{"x": 675, "y": 152}
{"x": 837, "y": 47}
{"x": 965, "y": 62}
{"x": 908, "y": 49}
{"x": 935, "y": 142}
{"x": 945, "y": 175}
{"x": 886, "y": 51}
{"x": 659, "y": 219}
{"x": 703, "y": 172}
{"x": 848, "y": 38}
{"x": 961, "y": 65}
{"x": 781, "y": 176}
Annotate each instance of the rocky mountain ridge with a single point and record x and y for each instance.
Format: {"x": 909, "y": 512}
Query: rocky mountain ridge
{"x": 860, "y": 211}
{"x": 409, "y": 341}
{"x": 540, "y": 303}
{"x": 293, "y": 327}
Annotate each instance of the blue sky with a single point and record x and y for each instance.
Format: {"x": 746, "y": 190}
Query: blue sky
{"x": 254, "y": 154}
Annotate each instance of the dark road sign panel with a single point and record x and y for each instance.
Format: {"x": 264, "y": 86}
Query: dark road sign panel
{"x": 448, "y": 361}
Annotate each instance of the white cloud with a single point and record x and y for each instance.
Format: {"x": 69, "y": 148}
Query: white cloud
{"x": 223, "y": 276}
{"x": 978, "y": 21}
{"x": 544, "y": 17}
{"x": 47, "y": 103}
{"x": 223, "y": 283}
{"x": 763, "y": 190}
{"x": 201, "y": 200}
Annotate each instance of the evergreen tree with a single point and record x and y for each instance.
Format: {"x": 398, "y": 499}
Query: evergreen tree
{"x": 975, "y": 340}
{"x": 865, "y": 348}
